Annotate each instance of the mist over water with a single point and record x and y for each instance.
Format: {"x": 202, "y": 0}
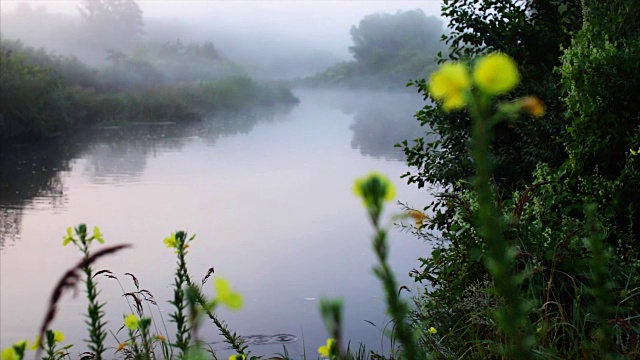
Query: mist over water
{"x": 267, "y": 191}
{"x": 271, "y": 203}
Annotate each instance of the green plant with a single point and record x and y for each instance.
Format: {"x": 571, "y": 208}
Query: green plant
{"x": 95, "y": 313}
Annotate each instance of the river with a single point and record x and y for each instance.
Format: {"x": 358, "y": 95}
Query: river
{"x": 268, "y": 196}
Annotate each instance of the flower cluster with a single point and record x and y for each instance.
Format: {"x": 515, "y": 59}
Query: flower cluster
{"x": 494, "y": 74}
{"x": 80, "y": 233}
{"x": 18, "y": 349}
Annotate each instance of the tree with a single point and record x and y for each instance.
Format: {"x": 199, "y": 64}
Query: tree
{"x": 387, "y": 41}
{"x": 534, "y": 33}
{"x": 113, "y": 23}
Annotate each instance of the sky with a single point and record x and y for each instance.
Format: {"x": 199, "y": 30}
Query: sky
{"x": 259, "y": 31}
{"x": 320, "y": 20}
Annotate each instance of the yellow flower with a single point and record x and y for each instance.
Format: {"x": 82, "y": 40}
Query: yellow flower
{"x": 36, "y": 343}
{"x": 58, "y": 336}
{"x": 67, "y": 239}
{"x": 532, "y": 105}
{"x": 328, "y": 350}
{"x": 432, "y": 331}
{"x": 634, "y": 153}
{"x": 9, "y": 354}
{"x": 161, "y": 338}
{"x": 226, "y": 296}
{"x": 496, "y": 74}
{"x": 374, "y": 187}
{"x": 170, "y": 241}
{"x": 449, "y": 84}
{"x": 98, "y": 235}
{"x": 131, "y": 322}
{"x": 121, "y": 346}
{"x": 237, "y": 357}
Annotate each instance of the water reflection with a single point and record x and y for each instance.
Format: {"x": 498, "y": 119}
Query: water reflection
{"x": 382, "y": 120}
{"x": 34, "y": 174}
{"x": 273, "y": 210}
{"x": 31, "y": 174}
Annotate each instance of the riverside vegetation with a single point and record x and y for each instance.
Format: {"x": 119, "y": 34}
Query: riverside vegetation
{"x": 46, "y": 94}
{"x": 535, "y": 247}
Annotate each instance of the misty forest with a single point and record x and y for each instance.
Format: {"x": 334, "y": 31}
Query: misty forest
{"x": 312, "y": 179}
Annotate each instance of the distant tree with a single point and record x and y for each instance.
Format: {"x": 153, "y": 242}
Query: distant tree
{"x": 112, "y": 21}
{"x": 385, "y": 41}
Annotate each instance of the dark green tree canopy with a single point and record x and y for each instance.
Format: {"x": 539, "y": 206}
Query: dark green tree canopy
{"x": 534, "y": 33}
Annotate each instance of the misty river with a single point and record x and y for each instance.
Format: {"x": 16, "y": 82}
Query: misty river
{"x": 268, "y": 196}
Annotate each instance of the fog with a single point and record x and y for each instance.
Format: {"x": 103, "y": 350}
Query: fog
{"x": 270, "y": 39}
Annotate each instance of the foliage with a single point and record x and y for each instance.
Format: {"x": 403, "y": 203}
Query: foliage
{"x": 567, "y": 208}
{"x": 522, "y": 30}
{"x": 34, "y": 101}
{"x": 602, "y": 76}
{"x": 45, "y": 94}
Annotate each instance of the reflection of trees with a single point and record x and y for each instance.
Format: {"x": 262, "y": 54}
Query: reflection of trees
{"x": 239, "y": 124}
{"x": 120, "y": 154}
{"x": 383, "y": 120}
{"x": 30, "y": 174}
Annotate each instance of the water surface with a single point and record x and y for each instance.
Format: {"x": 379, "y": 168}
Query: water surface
{"x": 268, "y": 195}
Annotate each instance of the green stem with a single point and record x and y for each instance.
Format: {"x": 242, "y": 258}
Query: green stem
{"x": 397, "y": 308}
{"x": 181, "y": 280}
{"x": 499, "y": 261}
{"x": 97, "y": 333}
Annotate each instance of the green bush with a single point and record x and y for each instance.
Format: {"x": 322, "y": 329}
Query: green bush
{"x": 565, "y": 187}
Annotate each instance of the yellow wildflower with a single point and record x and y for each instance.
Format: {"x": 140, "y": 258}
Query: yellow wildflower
{"x": 328, "y": 350}
{"x": 36, "y": 343}
{"x": 58, "y": 336}
{"x": 98, "y": 235}
{"x": 496, "y": 73}
{"x": 237, "y": 357}
{"x": 161, "y": 338}
{"x": 432, "y": 331}
{"x": 449, "y": 84}
{"x": 121, "y": 346}
{"x": 170, "y": 241}
{"x": 131, "y": 322}
{"x": 67, "y": 239}
{"x": 373, "y": 187}
{"x": 226, "y": 296}
{"x": 532, "y": 105}
{"x": 9, "y": 354}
